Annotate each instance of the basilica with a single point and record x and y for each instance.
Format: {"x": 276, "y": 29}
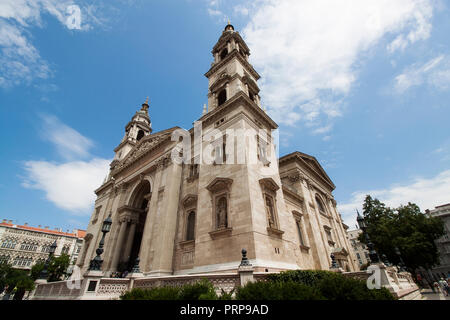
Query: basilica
{"x": 195, "y": 216}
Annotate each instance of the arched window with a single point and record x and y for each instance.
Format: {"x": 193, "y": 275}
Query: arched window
{"x": 140, "y": 135}
{"x": 190, "y": 230}
{"x": 320, "y": 205}
{"x": 222, "y": 97}
{"x": 223, "y": 54}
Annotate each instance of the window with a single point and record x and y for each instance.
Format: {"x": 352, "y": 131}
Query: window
{"x": 190, "y": 230}
{"x": 223, "y": 54}
{"x": 320, "y": 205}
{"x": 222, "y": 97}
{"x": 4, "y": 258}
{"x": 140, "y": 135}
{"x": 300, "y": 235}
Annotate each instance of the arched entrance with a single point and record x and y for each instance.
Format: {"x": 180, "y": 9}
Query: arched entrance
{"x": 141, "y": 202}
{"x": 132, "y": 219}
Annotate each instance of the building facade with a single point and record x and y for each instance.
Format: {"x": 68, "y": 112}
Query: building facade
{"x": 360, "y": 249}
{"x": 443, "y": 244}
{"x": 196, "y": 215}
{"x": 22, "y": 246}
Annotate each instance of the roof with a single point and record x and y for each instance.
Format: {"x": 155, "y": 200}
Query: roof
{"x": 312, "y": 163}
{"x": 77, "y": 234}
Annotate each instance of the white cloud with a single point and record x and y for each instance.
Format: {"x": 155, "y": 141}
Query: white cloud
{"x": 427, "y": 193}
{"x": 20, "y": 61}
{"x": 69, "y": 142}
{"x": 70, "y": 186}
{"x": 435, "y": 73}
{"x": 308, "y": 51}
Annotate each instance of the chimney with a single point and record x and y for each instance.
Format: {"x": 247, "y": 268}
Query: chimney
{"x": 25, "y": 224}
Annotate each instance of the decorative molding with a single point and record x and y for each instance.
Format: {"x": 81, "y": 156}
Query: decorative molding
{"x": 275, "y": 232}
{"x": 220, "y": 184}
{"x": 189, "y": 201}
{"x": 297, "y": 214}
{"x": 269, "y": 184}
{"x": 224, "y": 232}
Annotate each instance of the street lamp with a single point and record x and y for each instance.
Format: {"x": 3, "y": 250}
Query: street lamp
{"x": 363, "y": 226}
{"x": 96, "y": 263}
{"x": 44, "y": 272}
{"x": 401, "y": 264}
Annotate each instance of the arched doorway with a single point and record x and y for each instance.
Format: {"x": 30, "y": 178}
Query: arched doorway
{"x": 133, "y": 218}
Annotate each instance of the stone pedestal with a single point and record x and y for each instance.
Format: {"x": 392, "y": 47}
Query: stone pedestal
{"x": 90, "y": 284}
{"x": 245, "y": 274}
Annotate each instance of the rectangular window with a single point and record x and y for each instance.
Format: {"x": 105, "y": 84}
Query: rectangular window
{"x": 299, "y": 230}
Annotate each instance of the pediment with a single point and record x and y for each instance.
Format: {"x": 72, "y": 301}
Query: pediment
{"x": 269, "y": 183}
{"x": 146, "y": 144}
{"x": 189, "y": 200}
{"x": 340, "y": 252}
{"x": 219, "y": 184}
{"x": 311, "y": 164}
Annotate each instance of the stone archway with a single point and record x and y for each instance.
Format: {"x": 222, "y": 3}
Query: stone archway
{"x": 132, "y": 219}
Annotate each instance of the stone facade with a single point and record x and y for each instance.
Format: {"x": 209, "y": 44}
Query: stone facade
{"x": 195, "y": 217}
{"x": 360, "y": 249}
{"x": 23, "y": 246}
{"x": 443, "y": 244}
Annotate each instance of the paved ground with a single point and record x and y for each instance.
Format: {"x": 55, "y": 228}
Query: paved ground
{"x": 428, "y": 294}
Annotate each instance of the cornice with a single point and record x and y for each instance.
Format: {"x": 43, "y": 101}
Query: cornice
{"x": 226, "y": 35}
{"x": 228, "y": 58}
{"x": 297, "y": 156}
{"x": 143, "y": 148}
{"x": 104, "y": 186}
{"x": 234, "y": 101}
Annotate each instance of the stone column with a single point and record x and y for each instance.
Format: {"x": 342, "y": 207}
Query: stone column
{"x": 119, "y": 244}
{"x": 130, "y": 238}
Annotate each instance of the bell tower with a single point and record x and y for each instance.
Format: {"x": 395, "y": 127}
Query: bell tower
{"x": 139, "y": 127}
{"x": 231, "y": 73}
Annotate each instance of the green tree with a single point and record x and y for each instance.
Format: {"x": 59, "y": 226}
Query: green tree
{"x": 36, "y": 270}
{"x": 5, "y": 269}
{"x": 18, "y": 281}
{"x": 406, "y": 228}
{"x": 57, "y": 267}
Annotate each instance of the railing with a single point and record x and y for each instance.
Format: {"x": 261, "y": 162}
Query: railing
{"x": 111, "y": 287}
{"x": 223, "y": 281}
{"x": 57, "y": 290}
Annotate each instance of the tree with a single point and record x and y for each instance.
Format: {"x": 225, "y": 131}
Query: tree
{"x": 18, "y": 281}
{"x": 5, "y": 269}
{"x": 36, "y": 270}
{"x": 405, "y": 228}
{"x": 57, "y": 267}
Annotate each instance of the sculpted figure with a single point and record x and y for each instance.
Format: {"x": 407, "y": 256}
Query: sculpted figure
{"x": 222, "y": 213}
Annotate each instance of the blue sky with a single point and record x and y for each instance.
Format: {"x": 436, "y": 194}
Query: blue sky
{"x": 363, "y": 86}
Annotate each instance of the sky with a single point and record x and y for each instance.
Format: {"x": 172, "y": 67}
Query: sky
{"x": 362, "y": 85}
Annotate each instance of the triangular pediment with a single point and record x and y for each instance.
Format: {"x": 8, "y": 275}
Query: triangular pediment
{"x": 144, "y": 146}
{"x": 311, "y": 164}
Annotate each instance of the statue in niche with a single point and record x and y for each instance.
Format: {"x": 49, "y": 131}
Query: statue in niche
{"x": 221, "y": 212}
{"x": 271, "y": 214}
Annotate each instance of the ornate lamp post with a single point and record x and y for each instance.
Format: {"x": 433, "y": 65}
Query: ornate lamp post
{"x": 401, "y": 265}
{"x": 44, "y": 272}
{"x": 96, "y": 263}
{"x": 363, "y": 226}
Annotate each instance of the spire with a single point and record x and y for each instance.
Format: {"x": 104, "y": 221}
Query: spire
{"x": 145, "y": 105}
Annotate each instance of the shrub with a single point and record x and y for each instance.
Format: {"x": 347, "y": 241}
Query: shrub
{"x": 162, "y": 293}
{"x": 277, "y": 290}
{"x": 203, "y": 290}
{"x": 333, "y": 286}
